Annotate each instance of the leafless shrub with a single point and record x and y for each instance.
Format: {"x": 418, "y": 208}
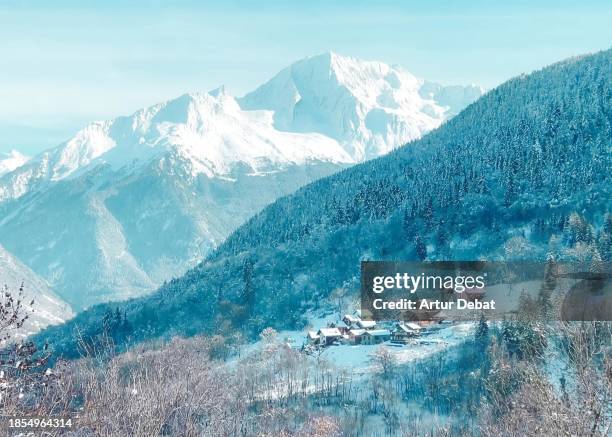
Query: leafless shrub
{"x": 579, "y": 405}
{"x": 322, "y": 426}
{"x": 13, "y": 313}
{"x": 174, "y": 390}
{"x": 27, "y": 386}
{"x": 179, "y": 389}
{"x": 384, "y": 359}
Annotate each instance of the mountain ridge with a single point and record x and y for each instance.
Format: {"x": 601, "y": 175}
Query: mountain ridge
{"x": 100, "y": 138}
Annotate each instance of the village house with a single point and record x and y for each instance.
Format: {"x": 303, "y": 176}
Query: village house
{"x": 353, "y": 330}
{"x": 350, "y": 321}
{"x": 366, "y": 324}
{"x": 342, "y": 327}
{"x": 375, "y": 336}
{"x": 313, "y": 337}
{"x": 356, "y": 335}
{"x": 328, "y": 336}
{"x": 404, "y": 331}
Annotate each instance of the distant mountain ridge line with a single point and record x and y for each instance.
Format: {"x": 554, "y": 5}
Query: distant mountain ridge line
{"x": 92, "y": 142}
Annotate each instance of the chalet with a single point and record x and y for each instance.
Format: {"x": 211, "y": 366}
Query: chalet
{"x": 404, "y": 331}
{"x": 313, "y": 337}
{"x": 375, "y": 336}
{"x": 328, "y": 336}
{"x": 350, "y": 321}
{"x": 413, "y": 326}
{"x": 343, "y": 327}
{"x": 366, "y": 324}
{"x": 356, "y": 335}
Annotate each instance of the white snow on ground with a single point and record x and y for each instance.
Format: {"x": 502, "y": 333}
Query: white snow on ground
{"x": 357, "y": 359}
{"x": 354, "y": 362}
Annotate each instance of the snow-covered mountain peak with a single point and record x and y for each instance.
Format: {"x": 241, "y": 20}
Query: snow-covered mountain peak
{"x": 193, "y": 109}
{"x": 88, "y": 144}
{"x": 222, "y": 90}
{"x": 368, "y": 107}
{"x": 377, "y": 76}
{"x": 9, "y": 161}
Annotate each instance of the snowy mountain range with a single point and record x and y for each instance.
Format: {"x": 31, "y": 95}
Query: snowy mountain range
{"x": 128, "y": 203}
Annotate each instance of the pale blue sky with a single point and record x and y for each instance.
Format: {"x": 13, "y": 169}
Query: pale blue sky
{"x": 76, "y": 61}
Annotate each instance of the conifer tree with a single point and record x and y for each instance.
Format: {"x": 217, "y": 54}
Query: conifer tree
{"x": 420, "y": 248}
{"x": 248, "y": 291}
{"x": 482, "y": 331}
{"x": 547, "y": 288}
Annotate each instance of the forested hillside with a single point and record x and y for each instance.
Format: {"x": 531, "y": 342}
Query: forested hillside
{"x": 522, "y": 172}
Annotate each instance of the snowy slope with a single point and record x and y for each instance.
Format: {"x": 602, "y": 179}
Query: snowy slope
{"x": 11, "y": 160}
{"x": 48, "y": 308}
{"x": 128, "y": 203}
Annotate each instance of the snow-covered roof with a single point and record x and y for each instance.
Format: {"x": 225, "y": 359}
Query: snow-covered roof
{"x": 313, "y": 335}
{"x": 366, "y": 324}
{"x": 409, "y": 327}
{"x": 352, "y": 319}
{"x": 330, "y": 332}
{"x": 378, "y": 332}
{"x": 357, "y": 332}
{"x": 403, "y": 328}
